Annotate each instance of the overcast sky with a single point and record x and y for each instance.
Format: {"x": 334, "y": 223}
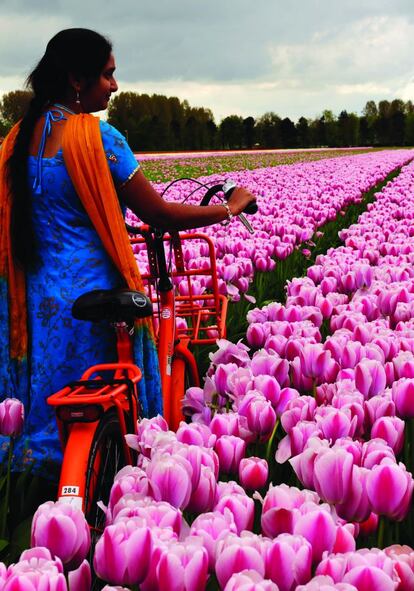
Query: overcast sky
{"x": 246, "y": 57}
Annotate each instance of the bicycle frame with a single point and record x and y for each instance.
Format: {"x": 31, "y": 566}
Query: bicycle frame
{"x": 204, "y": 313}
{"x": 80, "y": 407}
{"x": 83, "y": 405}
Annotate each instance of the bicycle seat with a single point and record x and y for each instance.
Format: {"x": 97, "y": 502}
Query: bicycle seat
{"x": 114, "y": 305}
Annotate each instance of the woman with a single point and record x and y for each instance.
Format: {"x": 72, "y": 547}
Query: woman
{"x": 64, "y": 177}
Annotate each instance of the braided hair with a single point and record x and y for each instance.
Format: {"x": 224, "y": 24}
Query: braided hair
{"x": 81, "y": 53}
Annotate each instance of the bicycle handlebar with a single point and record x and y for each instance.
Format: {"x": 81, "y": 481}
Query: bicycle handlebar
{"x": 226, "y": 187}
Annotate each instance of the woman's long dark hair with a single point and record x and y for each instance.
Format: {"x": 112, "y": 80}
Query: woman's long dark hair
{"x": 79, "y": 52}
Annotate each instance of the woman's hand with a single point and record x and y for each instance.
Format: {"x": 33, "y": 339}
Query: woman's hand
{"x": 240, "y": 199}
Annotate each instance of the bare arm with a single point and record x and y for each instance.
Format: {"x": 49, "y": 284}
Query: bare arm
{"x": 139, "y": 195}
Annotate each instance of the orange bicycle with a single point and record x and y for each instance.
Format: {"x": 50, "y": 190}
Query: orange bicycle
{"x": 95, "y": 413}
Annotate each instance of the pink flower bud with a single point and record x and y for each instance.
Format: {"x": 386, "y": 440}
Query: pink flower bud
{"x": 253, "y": 473}
{"x": 230, "y": 451}
{"x": 11, "y": 417}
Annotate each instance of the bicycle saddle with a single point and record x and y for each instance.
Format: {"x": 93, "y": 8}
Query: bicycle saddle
{"x": 114, "y": 305}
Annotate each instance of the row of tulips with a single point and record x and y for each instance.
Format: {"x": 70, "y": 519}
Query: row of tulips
{"x": 294, "y": 201}
{"x": 259, "y": 153}
{"x": 166, "y": 167}
{"x": 186, "y": 516}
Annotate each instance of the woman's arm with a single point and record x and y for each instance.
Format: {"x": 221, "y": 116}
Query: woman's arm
{"x": 139, "y": 195}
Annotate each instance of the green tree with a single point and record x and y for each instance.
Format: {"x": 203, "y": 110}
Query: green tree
{"x": 348, "y": 129}
{"x": 288, "y": 133}
{"x": 409, "y": 129}
{"x": 231, "y": 131}
{"x": 268, "y": 130}
{"x": 248, "y": 132}
{"x": 303, "y": 133}
{"x": 13, "y": 106}
{"x": 397, "y": 122}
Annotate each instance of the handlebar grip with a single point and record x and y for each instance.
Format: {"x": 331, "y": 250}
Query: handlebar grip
{"x": 251, "y": 208}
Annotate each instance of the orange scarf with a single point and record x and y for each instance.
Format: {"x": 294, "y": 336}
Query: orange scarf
{"x": 11, "y": 272}
{"x": 88, "y": 169}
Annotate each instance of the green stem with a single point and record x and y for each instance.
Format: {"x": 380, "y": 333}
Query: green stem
{"x": 270, "y": 442}
{"x": 381, "y": 532}
{"x": 5, "y": 512}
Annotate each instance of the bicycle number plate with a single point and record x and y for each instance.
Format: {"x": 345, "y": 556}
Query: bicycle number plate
{"x": 70, "y": 490}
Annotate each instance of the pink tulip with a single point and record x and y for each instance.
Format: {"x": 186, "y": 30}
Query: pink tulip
{"x": 225, "y": 424}
{"x": 315, "y": 362}
{"x": 81, "y": 578}
{"x": 345, "y": 538}
{"x": 230, "y": 353}
{"x": 230, "y": 450}
{"x": 161, "y": 538}
{"x": 391, "y": 429}
{"x": 335, "y": 423}
{"x": 123, "y": 553}
{"x": 170, "y": 478}
{"x": 367, "y": 578}
{"x": 370, "y": 378}
{"x": 269, "y": 387}
{"x": 249, "y": 580}
{"x": 235, "y": 554}
{"x": 183, "y": 567}
{"x": 289, "y": 561}
{"x": 211, "y": 527}
{"x": 155, "y": 513}
{"x": 374, "y": 452}
{"x": 241, "y": 507}
{"x": 11, "y": 417}
{"x": 196, "y": 434}
{"x": 325, "y": 583}
{"x": 260, "y": 416}
{"x": 403, "y": 558}
{"x": 280, "y": 510}
{"x": 333, "y": 475}
{"x": 129, "y": 479}
{"x": 319, "y": 529}
{"x": 35, "y": 571}
{"x": 301, "y": 408}
{"x": 264, "y": 363}
{"x": 403, "y": 397}
{"x": 377, "y": 407}
{"x": 355, "y": 506}
{"x": 256, "y": 335}
{"x": 390, "y": 488}
{"x": 304, "y": 463}
{"x": 62, "y": 528}
{"x": 294, "y": 443}
{"x": 203, "y": 495}
{"x": 253, "y": 473}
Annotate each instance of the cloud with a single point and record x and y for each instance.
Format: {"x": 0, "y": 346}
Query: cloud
{"x": 362, "y": 52}
{"x": 234, "y": 56}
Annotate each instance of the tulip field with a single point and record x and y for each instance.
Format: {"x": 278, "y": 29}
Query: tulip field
{"x": 166, "y": 167}
{"x": 294, "y": 469}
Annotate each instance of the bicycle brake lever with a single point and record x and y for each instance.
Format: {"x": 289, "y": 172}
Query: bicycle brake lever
{"x": 245, "y": 223}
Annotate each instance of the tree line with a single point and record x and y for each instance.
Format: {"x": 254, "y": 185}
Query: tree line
{"x": 157, "y": 122}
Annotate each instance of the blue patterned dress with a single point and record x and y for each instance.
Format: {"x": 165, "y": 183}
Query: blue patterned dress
{"x": 71, "y": 261}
